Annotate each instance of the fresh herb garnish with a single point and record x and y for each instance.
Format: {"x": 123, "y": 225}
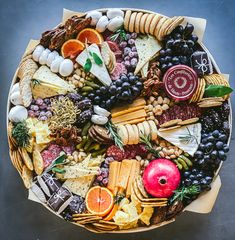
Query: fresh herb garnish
{"x": 97, "y": 59}
{"x": 118, "y": 198}
{"x": 185, "y": 192}
{"x": 188, "y": 138}
{"x": 217, "y": 91}
{"x": 58, "y": 170}
{"x": 146, "y": 140}
{"x": 88, "y": 65}
{"x": 21, "y": 134}
{"x": 114, "y": 135}
{"x": 35, "y": 82}
{"x": 120, "y": 33}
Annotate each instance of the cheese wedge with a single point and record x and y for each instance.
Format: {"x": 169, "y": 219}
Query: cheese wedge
{"x": 174, "y": 136}
{"x": 129, "y": 116}
{"x": 100, "y": 71}
{"x": 124, "y": 174}
{"x": 127, "y": 111}
{"x": 137, "y": 102}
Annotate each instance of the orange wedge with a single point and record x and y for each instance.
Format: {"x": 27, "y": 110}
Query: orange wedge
{"x": 112, "y": 213}
{"x": 90, "y": 35}
{"x": 99, "y": 201}
{"x": 72, "y": 48}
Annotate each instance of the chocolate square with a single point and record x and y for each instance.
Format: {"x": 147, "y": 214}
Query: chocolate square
{"x": 201, "y": 63}
{"x": 60, "y": 200}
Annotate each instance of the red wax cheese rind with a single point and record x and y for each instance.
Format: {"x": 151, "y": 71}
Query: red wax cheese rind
{"x": 180, "y": 82}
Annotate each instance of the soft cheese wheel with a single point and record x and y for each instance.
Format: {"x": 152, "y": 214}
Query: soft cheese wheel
{"x": 153, "y": 129}
{"x": 137, "y": 137}
{"x": 122, "y": 132}
{"x": 131, "y": 134}
{"x": 146, "y": 128}
{"x": 141, "y": 128}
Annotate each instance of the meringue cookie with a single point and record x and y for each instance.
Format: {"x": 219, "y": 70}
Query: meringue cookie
{"x": 66, "y": 67}
{"x": 102, "y": 24}
{"x": 43, "y": 56}
{"x": 18, "y": 114}
{"x": 16, "y": 98}
{"x": 114, "y": 12}
{"x": 55, "y": 65}
{"x": 115, "y": 23}
{"x": 95, "y": 16}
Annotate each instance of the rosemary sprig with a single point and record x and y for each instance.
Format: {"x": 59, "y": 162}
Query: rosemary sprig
{"x": 146, "y": 140}
{"x": 35, "y": 82}
{"x": 21, "y": 134}
{"x": 120, "y": 33}
{"x": 114, "y": 135}
{"x": 188, "y": 138}
{"x": 185, "y": 192}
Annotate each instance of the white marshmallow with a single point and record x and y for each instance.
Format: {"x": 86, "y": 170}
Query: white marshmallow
{"x": 43, "y": 56}
{"x": 51, "y": 57}
{"x": 102, "y": 24}
{"x": 95, "y": 16}
{"x": 114, "y": 12}
{"x": 16, "y": 98}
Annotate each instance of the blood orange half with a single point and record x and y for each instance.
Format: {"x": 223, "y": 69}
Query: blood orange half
{"x": 90, "y": 35}
{"x": 72, "y": 48}
{"x": 99, "y": 201}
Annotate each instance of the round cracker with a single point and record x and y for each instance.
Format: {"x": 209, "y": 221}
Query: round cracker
{"x": 148, "y": 21}
{"x": 142, "y": 22}
{"x": 137, "y": 137}
{"x": 203, "y": 85}
{"x": 170, "y": 123}
{"x": 140, "y": 186}
{"x": 158, "y": 27}
{"x": 137, "y": 22}
{"x": 38, "y": 162}
{"x": 163, "y": 29}
{"x": 169, "y": 128}
{"x": 127, "y": 19}
{"x": 131, "y": 26}
{"x": 26, "y": 158}
{"x": 122, "y": 132}
{"x": 131, "y": 134}
{"x": 154, "y": 23}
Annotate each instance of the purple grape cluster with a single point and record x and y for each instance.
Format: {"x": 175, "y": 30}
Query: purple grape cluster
{"x": 40, "y": 109}
{"x": 129, "y": 51}
{"x": 102, "y": 177}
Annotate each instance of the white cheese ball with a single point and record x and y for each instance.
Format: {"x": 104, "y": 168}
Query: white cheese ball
{"x": 43, "y": 56}
{"x": 55, "y": 65}
{"x": 95, "y": 16}
{"x": 51, "y": 57}
{"x": 37, "y": 52}
{"x": 18, "y": 114}
{"x": 16, "y": 98}
{"x": 15, "y": 88}
{"x": 114, "y": 12}
{"x": 115, "y": 23}
{"x": 66, "y": 67}
{"x": 102, "y": 24}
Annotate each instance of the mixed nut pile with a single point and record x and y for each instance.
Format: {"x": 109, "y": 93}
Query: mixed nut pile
{"x": 118, "y": 119}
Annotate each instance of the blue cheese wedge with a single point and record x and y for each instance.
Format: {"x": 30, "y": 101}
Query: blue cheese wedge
{"x": 147, "y": 47}
{"x": 79, "y": 186}
{"x": 187, "y": 138}
{"x": 47, "y": 84}
{"x": 99, "y": 71}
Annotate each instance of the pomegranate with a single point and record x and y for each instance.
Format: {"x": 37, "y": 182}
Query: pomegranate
{"x": 161, "y": 177}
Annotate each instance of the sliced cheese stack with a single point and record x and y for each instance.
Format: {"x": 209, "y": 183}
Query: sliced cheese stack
{"x": 122, "y": 174}
{"x": 130, "y": 114}
{"x": 48, "y": 84}
{"x": 131, "y": 133}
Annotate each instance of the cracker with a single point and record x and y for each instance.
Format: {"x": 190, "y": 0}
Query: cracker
{"x": 26, "y": 158}
{"x": 132, "y": 22}
{"x": 137, "y": 22}
{"x": 140, "y": 186}
{"x": 137, "y": 137}
{"x": 38, "y": 162}
{"x": 203, "y": 85}
{"x": 127, "y": 19}
{"x": 206, "y": 104}
{"x": 16, "y": 161}
{"x": 137, "y": 192}
{"x": 148, "y": 21}
{"x": 189, "y": 121}
{"x": 170, "y": 123}
{"x": 105, "y": 53}
{"x": 163, "y": 30}
{"x": 27, "y": 177}
{"x": 105, "y": 226}
{"x": 25, "y": 90}
{"x": 219, "y": 99}
{"x": 159, "y": 26}
{"x": 83, "y": 214}
{"x": 142, "y": 22}
{"x": 169, "y": 128}
{"x": 131, "y": 134}
{"x": 154, "y": 23}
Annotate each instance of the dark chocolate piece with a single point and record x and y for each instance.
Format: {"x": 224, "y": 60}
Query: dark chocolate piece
{"x": 60, "y": 200}
{"x": 201, "y": 63}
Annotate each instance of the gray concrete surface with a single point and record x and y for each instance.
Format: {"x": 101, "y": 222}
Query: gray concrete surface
{"x": 21, "y": 20}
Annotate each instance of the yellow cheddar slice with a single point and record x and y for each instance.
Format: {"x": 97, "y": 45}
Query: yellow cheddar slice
{"x": 113, "y": 167}
{"x": 134, "y": 121}
{"x": 137, "y": 103}
{"x": 131, "y": 178}
{"x": 117, "y": 176}
{"x": 124, "y": 174}
{"x": 129, "y": 116}
{"x": 127, "y": 111}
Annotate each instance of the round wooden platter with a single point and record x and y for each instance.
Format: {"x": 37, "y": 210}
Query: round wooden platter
{"x": 139, "y": 229}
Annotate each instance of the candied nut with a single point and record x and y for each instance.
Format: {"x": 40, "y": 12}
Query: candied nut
{"x": 70, "y": 157}
{"x": 151, "y": 118}
{"x": 80, "y": 85}
{"x": 172, "y": 156}
{"x": 168, "y": 157}
{"x": 154, "y": 103}
{"x": 166, "y": 100}
{"x": 146, "y": 163}
{"x": 77, "y": 77}
{"x": 171, "y": 151}
{"x": 177, "y": 153}
{"x": 161, "y": 154}
{"x": 83, "y": 74}
{"x": 151, "y": 99}
{"x": 158, "y": 110}
{"x": 165, "y": 107}
{"x": 78, "y": 71}
{"x": 76, "y": 65}
{"x": 142, "y": 162}
{"x": 138, "y": 158}
{"x": 160, "y": 100}
{"x": 156, "y": 121}
{"x": 155, "y": 94}
{"x": 162, "y": 144}
{"x": 149, "y": 156}
{"x": 150, "y": 107}
{"x": 158, "y": 148}
{"x": 146, "y": 107}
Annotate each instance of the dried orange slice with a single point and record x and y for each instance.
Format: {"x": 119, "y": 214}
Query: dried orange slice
{"x": 72, "y": 48}
{"x": 90, "y": 35}
{"x": 99, "y": 201}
